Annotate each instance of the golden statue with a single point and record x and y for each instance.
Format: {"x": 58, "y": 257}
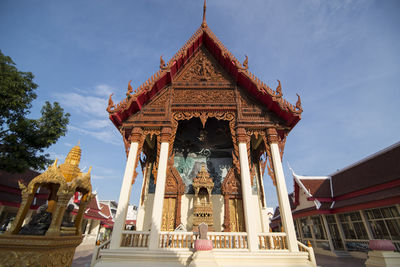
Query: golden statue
{"x": 50, "y": 231}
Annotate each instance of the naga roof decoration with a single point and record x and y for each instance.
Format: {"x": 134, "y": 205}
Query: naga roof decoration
{"x": 272, "y": 99}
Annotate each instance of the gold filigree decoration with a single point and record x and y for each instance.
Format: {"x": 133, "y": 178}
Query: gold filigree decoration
{"x": 62, "y": 181}
{"x": 202, "y": 207}
{"x": 155, "y": 166}
{"x": 203, "y": 68}
{"x": 204, "y": 96}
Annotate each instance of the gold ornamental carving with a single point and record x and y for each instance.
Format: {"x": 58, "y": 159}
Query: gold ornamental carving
{"x": 204, "y": 96}
{"x": 203, "y": 68}
{"x": 203, "y": 210}
{"x": 37, "y": 251}
{"x": 62, "y": 181}
{"x": 50, "y": 237}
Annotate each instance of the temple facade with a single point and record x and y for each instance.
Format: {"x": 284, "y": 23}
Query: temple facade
{"x": 204, "y": 129}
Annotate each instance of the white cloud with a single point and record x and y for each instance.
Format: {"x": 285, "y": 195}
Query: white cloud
{"x": 106, "y": 136}
{"x": 103, "y": 90}
{"x": 90, "y": 105}
{"x": 87, "y": 102}
{"x": 97, "y": 124}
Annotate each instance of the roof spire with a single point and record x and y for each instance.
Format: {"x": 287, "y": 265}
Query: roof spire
{"x": 204, "y": 23}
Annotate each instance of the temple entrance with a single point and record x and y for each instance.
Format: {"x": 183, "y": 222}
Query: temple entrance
{"x": 168, "y": 217}
{"x": 236, "y": 215}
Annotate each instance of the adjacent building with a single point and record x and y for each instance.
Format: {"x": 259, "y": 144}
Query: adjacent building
{"x": 341, "y": 212}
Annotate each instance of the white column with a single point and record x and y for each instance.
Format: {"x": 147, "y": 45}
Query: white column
{"x": 328, "y": 232}
{"x": 284, "y": 206}
{"x": 124, "y": 195}
{"x": 156, "y": 215}
{"x": 249, "y": 209}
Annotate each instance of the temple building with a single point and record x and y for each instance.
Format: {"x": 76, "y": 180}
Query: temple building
{"x": 341, "y": 212}
{"x": 204, "y": 129}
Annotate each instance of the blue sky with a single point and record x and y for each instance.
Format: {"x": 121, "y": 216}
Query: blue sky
{"x": 342, "y": 57}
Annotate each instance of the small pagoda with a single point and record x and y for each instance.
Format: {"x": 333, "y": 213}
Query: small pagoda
{"x": 202, "y": 207}
{"x": 50, "y": 237}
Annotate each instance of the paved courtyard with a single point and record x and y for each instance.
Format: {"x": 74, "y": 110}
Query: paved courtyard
{"x": 83, "y": 256}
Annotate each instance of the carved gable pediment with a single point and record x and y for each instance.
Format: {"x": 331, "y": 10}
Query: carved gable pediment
{"x": 160, "y": 101}
{"x": 203, "y": 68}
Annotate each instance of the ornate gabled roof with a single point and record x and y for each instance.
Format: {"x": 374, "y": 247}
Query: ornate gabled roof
{"x": 240, "y": 73}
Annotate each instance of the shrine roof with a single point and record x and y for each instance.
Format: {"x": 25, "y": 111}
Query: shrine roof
{"x": 240, "y": 73}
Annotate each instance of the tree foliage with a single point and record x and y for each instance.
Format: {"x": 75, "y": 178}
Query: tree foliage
{"x": 23, "y": 140}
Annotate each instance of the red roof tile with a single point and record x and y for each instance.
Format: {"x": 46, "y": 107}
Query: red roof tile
{"x": 377, "y": 169}
{"x": 318, "y": 187}
{"x": 243, "y": 77}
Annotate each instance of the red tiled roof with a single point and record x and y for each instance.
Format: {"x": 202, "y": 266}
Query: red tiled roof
{"x": 92, "y": 214}
{"x": 371, "y": 197}
{"x": 94, "y": 204}
{"x": 241, "y": 75}
{"x": 368, "y": 183}
{"x": 377, "y": 169}
{"x": 318, "y": 187}
{"x": 105, "y": 209}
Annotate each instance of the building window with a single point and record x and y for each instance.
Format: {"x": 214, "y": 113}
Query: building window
{"x": 305, "y": 229}
{"x": 385, "y": 223}
{"x": 353, "y": 226}
{"x": 319, "y": 229}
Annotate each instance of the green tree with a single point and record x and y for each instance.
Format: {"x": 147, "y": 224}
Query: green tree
{"x": 23, "y": 140}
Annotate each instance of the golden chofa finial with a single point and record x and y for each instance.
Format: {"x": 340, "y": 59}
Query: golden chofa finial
{"x": 204, "y": 23}
{"x": 70, "y": 167}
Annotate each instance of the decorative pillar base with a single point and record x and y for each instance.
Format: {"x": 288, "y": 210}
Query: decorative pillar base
{"x": 378, "y": 258}
{"x": 203, "y": 259}
{"x": 26, "y": 250}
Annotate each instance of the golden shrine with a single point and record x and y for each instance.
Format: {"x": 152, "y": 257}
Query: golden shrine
{"x": 202, "y": 206}
{"x": 50, "y": 237}
{"x": 204, "y": 129}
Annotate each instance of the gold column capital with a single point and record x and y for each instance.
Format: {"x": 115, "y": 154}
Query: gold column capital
{"x": 241, "y": 135}
{"x": 136, "y": 134}
{"x": 272, "y": 134}
{"x": 165, "y": 134}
